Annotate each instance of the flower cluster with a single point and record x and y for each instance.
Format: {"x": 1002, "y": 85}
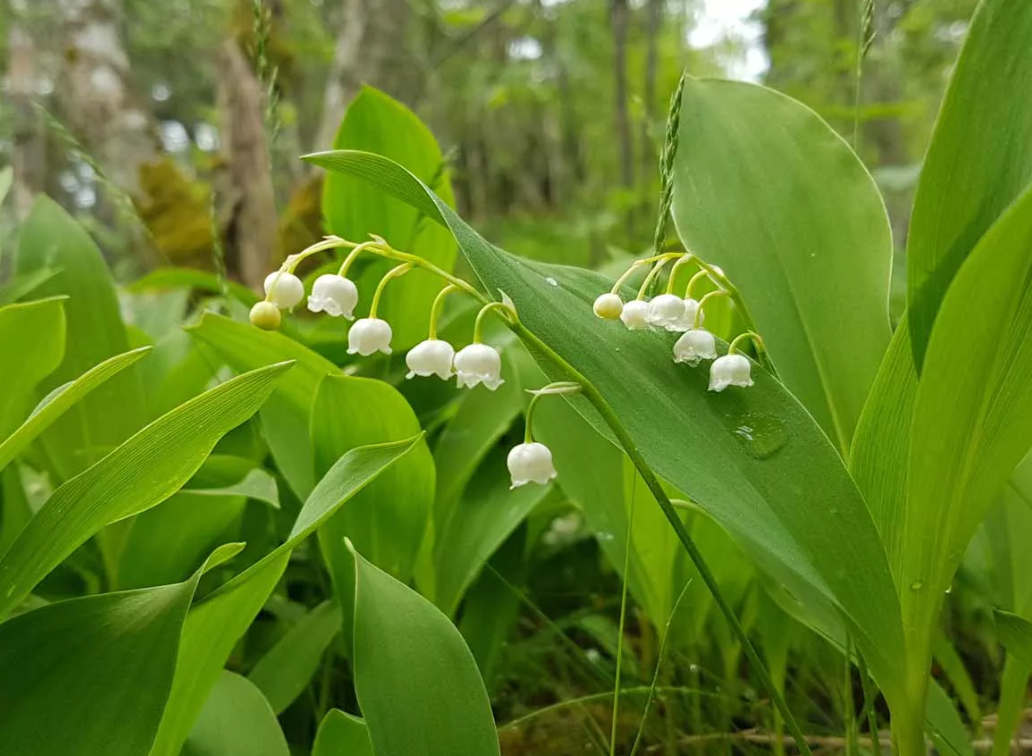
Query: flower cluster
{"x": 684, "y": 315}
{"x": 476, "y": 364}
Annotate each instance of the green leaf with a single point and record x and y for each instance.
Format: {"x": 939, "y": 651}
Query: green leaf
{"x": 70, "y": 672}
{"x": 20, "y": 287}
{"x": 285, "y": 670}
{"x": 50, "y": 238}
{"x": 792, "y": 504}
{"x": 388, "y": 520}
{"x": 341, "y": 734}
{"x": 1015, "y": 635}
{"x": 379, "y": 124}
{"x": 944, "y": 725}
{"x": 486, "y": 515}
{"x": 61, "y": 399}
{"x": 166, "y": 542}
{"x": 142, "y": 472}
{"x": 979, "y": 159}
{"x": 960, "y": 460}
{"x": 882, "y": 444}
{"x": 416, "y": 680}
{"x": 751, "y": 195}
{"x": 35, "y": 332}
{"x": 190, "y": 278}
{"x": 236, "y": 721}
{"x": 217, "y": 622}
{"x": 286, "y": 416}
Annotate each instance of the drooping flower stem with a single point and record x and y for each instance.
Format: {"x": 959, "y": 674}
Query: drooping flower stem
{"x": 652, "y": 277}
{"x": 638, "y": 264}
{"x": 703, "y": 273}
{"x": 559, "y": 387}
{"x": 761, "y": 348}
{"x": 353, "y": 255}
{"x": 478, "y": 325}
{"x": 686, "y": 259}
{"x": 627, "y": 442}
{"x": 702, "y": 303}
{"x": 392, "y": 273}
{"x": 435, "y": 308}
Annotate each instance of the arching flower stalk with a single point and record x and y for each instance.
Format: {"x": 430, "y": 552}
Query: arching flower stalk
{"x": 531, "y": 462}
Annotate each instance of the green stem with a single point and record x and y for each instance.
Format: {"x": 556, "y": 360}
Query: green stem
{"x": 1008, "y": 710}
{"x": 628, "y": 545}
{"x": 392, "y": 273}
{"x": 693, "y": 280}
{"x": 629, "y": 446}
{"x": 651, "y": 277}
{"x": 702, "y": 303}
{"x": 435, "y": 308}
{"x": 733, "y": 347}
{"x": 869, "y": 697}
{"x": 353, "y": 255}
{"x": 478, "y": 326}
{"x": 852, "y": 737}
{"x": 684, "y": 260}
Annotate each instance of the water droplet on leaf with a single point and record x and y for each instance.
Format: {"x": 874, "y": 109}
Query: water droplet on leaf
{"x": 761, "y": 435}
{"x": 917, "y": 585}
{"x": 551, "y": 281}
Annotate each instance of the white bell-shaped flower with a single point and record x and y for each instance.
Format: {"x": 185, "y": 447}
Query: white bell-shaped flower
{"x": 666, "y": 311}
{"x": 334, "y": 295}
{"x": 730, "y": 370}
{"x": 694, "y": 346}
{"x": 530, "y": 463}
{"x": 479, "y": 363}
{"x": 284, "y": 289}
{"x": 635, "y": 314}
{"x": 430, "y": 357}
{"x": 608, "y": 306}
{"x": 369, "y": 335}
{"x": 687, "y": 322}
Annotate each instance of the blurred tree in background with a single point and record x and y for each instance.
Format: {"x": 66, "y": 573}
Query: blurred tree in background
{"x": 164, "y": 121}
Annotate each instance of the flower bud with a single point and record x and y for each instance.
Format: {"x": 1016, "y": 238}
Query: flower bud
{"x": 479, "y": 363}
{"x": 284, "y": 289}
{"x": 334, "y": 295}
{"x": 431, "y": 357}
{"x": 530, "y": 463}
{"x": 635, "y": 314}
{"x": 265, "y": 315}
{"x": 694, "y": 346}
{"x": 369, "y": 335}
{"x": 608, "y": 306}
{"x": 665, "y": 311}
{"x": 730, "y": 370}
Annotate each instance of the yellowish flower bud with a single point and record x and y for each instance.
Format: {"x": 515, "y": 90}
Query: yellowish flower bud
{"x": 266, "y": 316}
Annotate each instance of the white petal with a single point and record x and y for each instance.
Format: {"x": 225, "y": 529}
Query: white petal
{"x": 334, "y": 295}
{"x": 665, "y": 311}
{"x": 283, "y": 289}
{"x": 478, "y": 363}
{"x": 694, "y": 346}
{"x": 369, "y": 335}
{"x": 730, "y": 370}
{"x": 431, "y": 357}
{"x": 530, "y": 463}
{"x": 635, "y": 314}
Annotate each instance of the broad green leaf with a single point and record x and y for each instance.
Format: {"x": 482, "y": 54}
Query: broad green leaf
{"x": 257, "y": 484}
{"x": 960, "y": 680}
{"x": 961, "y": 459}
{"x": 1015, "y": 635}
{"x": 341, "y": 734}
{"x": 236, "y": 721}
{"x": 376, "y": 123}
{"x": 142, "y": 472}
{"x": 484, "y": 517}
{"x": 944, "y": 726}
{"x": 285, "y": 670}
{"x": 50, "y": 238}
{"x": 167, "y": 541}
{"x": 751, "y": 194}
{"x": 71, "y": 672}
{"x": 755, "y": 460}
{"x": 22, "y": 286}
{"x": 416, "y": 680}
{"x": 61, "y": 399}
{"x": 286, "y": 416}
{"x": 388, "y": 519}
{"x": 881, "y": 445}
{"x": 32, "y": 339}
{"x": 190, "y": 278}
{"x": 218, "y": 621}
{"x": 979, "y": 159}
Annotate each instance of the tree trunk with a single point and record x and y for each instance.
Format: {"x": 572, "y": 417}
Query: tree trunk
{"x": 28, "y": 155}
{"x": 252, "y": 225}
{"x": 371, "y": 49}
{"x": 619, "y": 14}
{"x": 94, "y": 96}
